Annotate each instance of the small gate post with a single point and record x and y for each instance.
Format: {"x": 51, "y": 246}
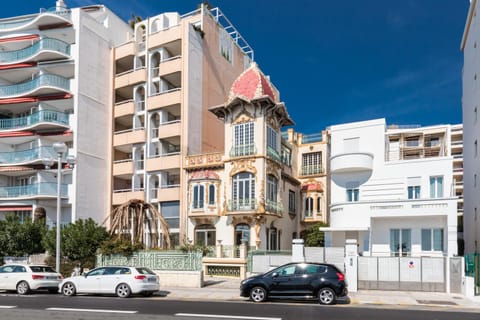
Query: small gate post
{"x": 298, "y": 250}
{"x": 351, "y": 264}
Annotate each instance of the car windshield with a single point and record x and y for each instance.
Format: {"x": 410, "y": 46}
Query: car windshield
{"x": 42, "y": 269}
{"x": 145, "y": 271}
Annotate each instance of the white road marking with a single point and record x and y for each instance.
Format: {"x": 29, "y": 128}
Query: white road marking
{"x": 7, "y": 307}
{"x": 222, "y": 316}
{"x": 90, "y": 310}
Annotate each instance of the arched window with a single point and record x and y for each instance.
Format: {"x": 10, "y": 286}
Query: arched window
{"x": 205, "y": 235}
{"x": 198, "y": 196}
{"x": 211, "y": 194}
{"x": 308, "y": 207}
{"x": 243, "y": 191}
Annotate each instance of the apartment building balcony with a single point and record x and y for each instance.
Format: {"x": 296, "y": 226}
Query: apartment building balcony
{"x": 129, "y": 137}
{"x": 164, "y": 161}
{"x": 311, "y": 217}
{"x": 167, "y": 129}
{"x": 311, "y": 170}
{"x": 168, "y": 66}
{"x": 43, "y": 84}
{"x": 40, "y": 120}
{"x": 351, "y": 162}
{"x": 241, "y": 205}
{"x": 164, "y": 99}
{"x": 203, "y": 209}
{"x": 33, "y": 191}
{"x": 44, "y": 49}
{"x": 273, "y": 154}
{"x": 130, "y": 77}
{"x": 123, "y": 195}
{"x": 123, "y": 167}
{"x": 168, "y": 192}
{"x": 124, "y": 108}
{"x": 357, "y": 215}
{"x": 457, "y": 158}
{"x": 243, "y": 150}
{"x": 35, "y": 155}
{"x": 165, "y": 36}
{"x": 457, "y": 172}
{"x": 45, "y": 18}
{"x": 125, "y": 50}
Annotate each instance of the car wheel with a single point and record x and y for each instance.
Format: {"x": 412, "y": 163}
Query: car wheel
{"x": 258, "y": 294}
{"x": 326, "y": 296}
{"x": 123, "y": 290}
{"x": 68, "y": 289}
{"x": 23, "y": 288}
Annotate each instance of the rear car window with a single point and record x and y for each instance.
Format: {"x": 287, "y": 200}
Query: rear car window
{"x": 42, "y": 269}
{"x": 145, "y": 271}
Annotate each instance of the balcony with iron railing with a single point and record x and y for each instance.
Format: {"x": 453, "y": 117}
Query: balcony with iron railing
{"x": 309, "y": 170}
{"x": 33, "y": 190}
{"x": 243, "y": 150}
{"x": 169, "y": 65}
{"x": 55, "y": 48}
{"x": 242, "y": 205}
{"x": 29, "y": 155}
{"x": 42, "y": 116}
{"x": 50, "y": 83}
{"x": 274, "y": 207}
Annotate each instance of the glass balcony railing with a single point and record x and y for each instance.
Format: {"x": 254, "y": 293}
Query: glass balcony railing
{"x": 34, "y": 118}
{"x": 242, "y": 205}
{"x": 43, "y": 44}
{"x": 273, "y": 154}
{"x": 309, "y": 170}
{"x": 28, "y": 155}
{"x": 36, "y": 189}
{"x": 243, "y": 150}
{"x": 273, "y": 206}
{"x": 45, "y": 80}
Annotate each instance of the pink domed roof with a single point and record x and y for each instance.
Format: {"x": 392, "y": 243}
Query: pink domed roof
{"x": 252, "y": 84}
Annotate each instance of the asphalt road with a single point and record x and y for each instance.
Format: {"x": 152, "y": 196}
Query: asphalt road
{"x": 52, "y": 307}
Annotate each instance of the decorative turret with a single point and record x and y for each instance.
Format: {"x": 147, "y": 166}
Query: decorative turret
{"x": 60, "y": 5}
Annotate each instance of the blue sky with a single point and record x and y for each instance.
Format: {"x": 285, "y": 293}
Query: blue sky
{"x": 339, "y": 61}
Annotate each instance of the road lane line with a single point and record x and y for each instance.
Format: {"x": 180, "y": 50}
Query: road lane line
{"x": 91, "y": 310}
{"x": 222, "y": 316}
{"x": 7, "y": 307}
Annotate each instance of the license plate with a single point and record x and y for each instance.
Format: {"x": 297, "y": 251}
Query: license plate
{"x": 51, "y": 278}
{"x": 152, "y": 280}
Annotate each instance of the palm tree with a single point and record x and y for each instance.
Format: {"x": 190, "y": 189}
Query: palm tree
{"x": 136, "y": 218}
{"x": 133, "y": 20}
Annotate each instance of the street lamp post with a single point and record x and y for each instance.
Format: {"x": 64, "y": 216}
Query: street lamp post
{"x": 60, "y": 148}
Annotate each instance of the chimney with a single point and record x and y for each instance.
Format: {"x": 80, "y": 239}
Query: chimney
{"x": 60, "y": 5}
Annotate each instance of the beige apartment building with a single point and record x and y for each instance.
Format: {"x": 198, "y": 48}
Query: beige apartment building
{"x": 166, "y": 78}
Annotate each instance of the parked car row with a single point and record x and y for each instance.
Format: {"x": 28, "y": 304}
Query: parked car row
{"x": 122, "y": 281}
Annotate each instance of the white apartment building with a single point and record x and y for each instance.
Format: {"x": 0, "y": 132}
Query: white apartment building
{"x": 55, "y": 86}
{"x": 392, "y": 189}
{"x": 471, "y": 127}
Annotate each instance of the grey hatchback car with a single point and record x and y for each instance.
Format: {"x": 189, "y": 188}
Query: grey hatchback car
{"x": 321, "y": 281}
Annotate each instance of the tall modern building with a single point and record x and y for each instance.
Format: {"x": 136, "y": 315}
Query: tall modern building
{"x": 55, "y": 86}
{"x": 393, "y": 189}
{"x": 471, "y": 127}
{"x": 174, "y": 68}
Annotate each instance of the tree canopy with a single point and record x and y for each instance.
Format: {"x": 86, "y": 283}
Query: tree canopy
{"x": 19, "y": 238}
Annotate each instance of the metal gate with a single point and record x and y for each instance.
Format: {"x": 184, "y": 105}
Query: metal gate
{"x": 402, "y": 273}
{"x": 472, "y": 269}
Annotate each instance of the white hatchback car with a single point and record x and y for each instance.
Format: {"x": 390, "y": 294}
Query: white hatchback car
{"x": 120, "y": 280}
{"x": 26, "y": 277}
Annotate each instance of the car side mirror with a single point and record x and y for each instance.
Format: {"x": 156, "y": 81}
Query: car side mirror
{"x": 275, "y": 274}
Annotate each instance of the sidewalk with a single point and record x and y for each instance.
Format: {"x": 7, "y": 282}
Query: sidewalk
{"x": 228, "y": 290}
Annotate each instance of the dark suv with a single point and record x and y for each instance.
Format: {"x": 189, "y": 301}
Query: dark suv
{"x": 297, "y": 281}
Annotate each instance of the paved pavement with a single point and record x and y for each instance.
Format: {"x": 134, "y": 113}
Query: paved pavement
{"x": 227, "y": 289}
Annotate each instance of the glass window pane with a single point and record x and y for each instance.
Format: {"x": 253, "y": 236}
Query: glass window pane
{"x": 394, "y": 240}
{"x": 438, "y": 239}
{"x": 406, "y": 241}
{"x": 426, "y": 240}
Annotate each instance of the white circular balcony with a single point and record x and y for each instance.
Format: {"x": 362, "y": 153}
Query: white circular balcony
{"x": 351, "y": 162}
